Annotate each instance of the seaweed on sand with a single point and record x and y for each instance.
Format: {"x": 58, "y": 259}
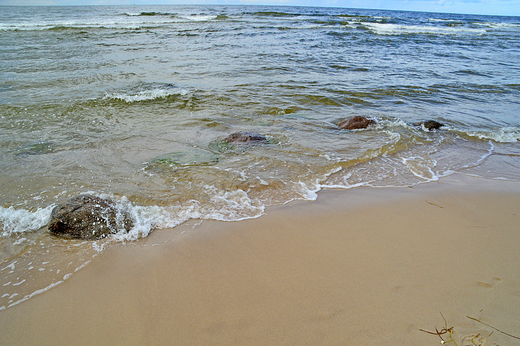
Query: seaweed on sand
{"x": 443, "y": 331}
{"x": 475, "y": 339}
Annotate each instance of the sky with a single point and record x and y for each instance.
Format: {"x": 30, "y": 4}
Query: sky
{"x": 489, "y": 7}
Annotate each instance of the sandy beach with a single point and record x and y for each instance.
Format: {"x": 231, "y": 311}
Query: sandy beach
{"x": 364, "y": 266}
{"x": 180, "y": 115}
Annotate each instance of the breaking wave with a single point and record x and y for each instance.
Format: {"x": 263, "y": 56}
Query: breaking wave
{"x": 401, "y": 29}
{"x": 17, "y": 221}
{"x": 147, "y": 95}
{"x": 501, "y": 135}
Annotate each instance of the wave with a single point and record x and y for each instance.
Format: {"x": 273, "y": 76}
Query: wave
{"x": 499, "y": 26}
{"x": 223, "y": 205}
{"x": 148, "y": 14}
{"x": 198, "y": 18}
{"x": 130, "y": 21}
{"x": 147, "y": 95}
{"x": 442, "y": 20}
{"x": 17, "y": 221}
{"x": 63, "y": 26}
{"x": 410, "y": 155}
{"x": 193, "y": 17}
{"x": 353, "y": 16}
{"x": 501, "y": 135}
{"x": 403, "y": 29}
{"x": 275, "y": 14}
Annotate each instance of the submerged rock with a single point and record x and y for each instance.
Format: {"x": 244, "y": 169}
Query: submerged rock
{"x": 192, "y": 157}
{"x": 246, "y": 137}
{"x": 36, "y": 148}
{"x": 355, "y": 123}
{"x": 87, "y": 217}
{"x": 430, "y": 125}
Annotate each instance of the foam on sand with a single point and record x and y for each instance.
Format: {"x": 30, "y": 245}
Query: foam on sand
{"x": 359, "y": 266}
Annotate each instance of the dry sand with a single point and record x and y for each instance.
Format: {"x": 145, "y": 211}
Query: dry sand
{"x": 357, "y": 267}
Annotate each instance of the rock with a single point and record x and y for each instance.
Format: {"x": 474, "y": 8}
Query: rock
{"x": 246, "y": 137}
{"x": 356, "y": 122}
{"x": 430, "y": 125}
{"x": 36, "y": 148}
{"x": 87, "y": 217}
{"x": 190, "y": 157}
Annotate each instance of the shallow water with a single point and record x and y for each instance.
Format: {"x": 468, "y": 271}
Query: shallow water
{"x": 134, "y": 102}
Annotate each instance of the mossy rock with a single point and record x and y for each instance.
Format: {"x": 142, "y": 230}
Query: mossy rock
{"x": 221, "y": 146}
{"x": 241, "y": 140}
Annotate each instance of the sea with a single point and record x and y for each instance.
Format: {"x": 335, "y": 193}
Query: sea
{"x": 134, "y": 103}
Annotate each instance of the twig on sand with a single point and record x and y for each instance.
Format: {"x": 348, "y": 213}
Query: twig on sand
{"x": 434, "y": 204}
{"x": 441, "y": 332}
{"x": 498, "y": 330}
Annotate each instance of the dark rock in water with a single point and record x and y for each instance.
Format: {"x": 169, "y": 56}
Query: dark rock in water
{"x": 87, "y": 217}
{"x": 356, "y": 122}
{"x": 429, "y": 125}
{"x": 246, "y": 137}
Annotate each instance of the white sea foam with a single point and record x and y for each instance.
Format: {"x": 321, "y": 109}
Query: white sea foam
{"x": 400, "y": 29}
{"x": 151, "y": 14}
{"x": 147, "y": 14}
{"x": 502, "y": 135}
{"x": 146, "y": 95}
{"x": 344, "y": 185}
{"x": 48, "y": 25}
{"x": 500, "y": 26}
{"x": 10, "y": 266}
{"x": 231, "y": 205}
{"x": 147, "y": 218}
{"x": 484, "y": 156}
{"x": 29, "y": 296}
{"x": 421, "y": 167}
{"x": 20, "y": 220}
{"x": 131, "y": 22}
{"x": 309, "y": 191}
{"x": 441, "y": 20}
{"x": 224, "y": 206}
{"x": 19, "y": 283}
{"x": 199, "y": 18}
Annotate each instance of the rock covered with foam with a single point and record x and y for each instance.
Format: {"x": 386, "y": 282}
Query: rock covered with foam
{"x": 88, "y": 217}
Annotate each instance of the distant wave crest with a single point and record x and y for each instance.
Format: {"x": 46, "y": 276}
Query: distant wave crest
{"x": 401, "y": 29}
{"x": 146, "y": 95}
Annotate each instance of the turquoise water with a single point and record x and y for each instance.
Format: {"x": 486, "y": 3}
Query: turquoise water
{"x": 134, "y": 102}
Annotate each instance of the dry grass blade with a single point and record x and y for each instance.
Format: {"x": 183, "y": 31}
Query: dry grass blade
{"x": 498, "y": 330}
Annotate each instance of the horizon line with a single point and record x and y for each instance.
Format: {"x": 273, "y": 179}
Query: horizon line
{"x": 259, "y": 5}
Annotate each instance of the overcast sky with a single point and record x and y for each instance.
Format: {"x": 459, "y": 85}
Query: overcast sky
{"x": 500, "y": 7}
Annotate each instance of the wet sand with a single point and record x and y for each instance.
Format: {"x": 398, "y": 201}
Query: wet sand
{"x": 356, "y": 267}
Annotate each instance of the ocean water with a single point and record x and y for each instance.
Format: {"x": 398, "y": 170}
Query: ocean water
{"x": 133, "y": 103}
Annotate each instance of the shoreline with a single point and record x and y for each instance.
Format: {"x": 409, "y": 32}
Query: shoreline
{"x": 358, "y": 266}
